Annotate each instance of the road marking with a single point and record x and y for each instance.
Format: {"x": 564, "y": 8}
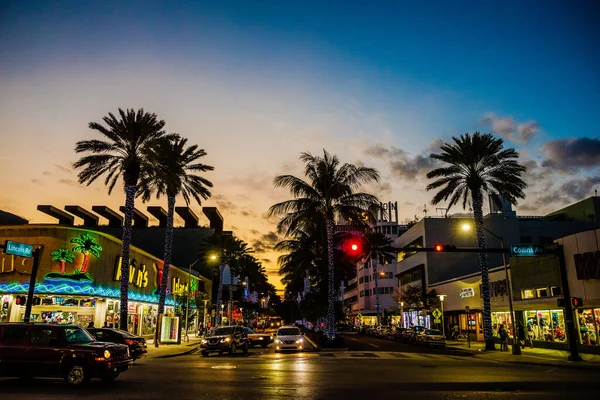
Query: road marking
{"x": 223, "y": 367}
{"x": 374, "y": 345}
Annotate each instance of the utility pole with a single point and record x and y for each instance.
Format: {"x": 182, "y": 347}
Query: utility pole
{"x": 572, "y": 337}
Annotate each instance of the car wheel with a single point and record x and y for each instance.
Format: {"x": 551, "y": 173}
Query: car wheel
{"x": 109, "y": 377}
{"x": 76, "y": 375}
{"x": 232, "y": 350}
{"x": 204, "y": 353}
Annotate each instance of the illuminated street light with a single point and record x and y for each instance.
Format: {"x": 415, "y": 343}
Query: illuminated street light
{"x": 213, "y": 257}
{"x": 466, "y": 227}
{"x": 441, "y": 296}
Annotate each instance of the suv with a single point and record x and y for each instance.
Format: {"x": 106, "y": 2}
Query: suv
{"x": 69, "y": 351}
{"x": 225, "y": 338}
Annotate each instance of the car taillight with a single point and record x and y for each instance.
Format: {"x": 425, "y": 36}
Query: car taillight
{"x": 130, "y": 342}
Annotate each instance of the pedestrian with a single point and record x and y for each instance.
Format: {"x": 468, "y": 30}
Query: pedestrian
{"x": 530, "y": 335}
{"x": 503, "y": 338}
{"x": 91, "y": 324}
{"x": 105, "y": 324}
{"x": 521, "y": 334}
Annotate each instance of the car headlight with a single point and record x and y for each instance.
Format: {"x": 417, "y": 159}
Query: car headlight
{"x": 106, "y": 354}
{"x": 299, "y": 341}
{"x": 226, "y": 340}
{"x": 277, "y": 341}
{"x": 260, "y": 338}
{"x": 204, "y": 341}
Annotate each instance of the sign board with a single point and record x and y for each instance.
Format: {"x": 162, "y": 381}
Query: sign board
{"x": 436, "y": 313}
{"x": 527, "y": 250}
{"x": 18, "y": 249}
{"x": 466, "y": 292}
{"x": 437, "y": 321}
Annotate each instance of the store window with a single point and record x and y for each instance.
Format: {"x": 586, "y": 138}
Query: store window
{"x": 527, "y": 294}
{"x": 589, "y": 319}
{"x": 542, "y": 292}
{"x": 502, "y": 319}
{"x": 546, "y": 325}
{"x": 555, "y": 291}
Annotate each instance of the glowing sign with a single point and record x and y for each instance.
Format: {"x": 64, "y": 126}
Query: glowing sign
{"x": 18, "y": 249}
{"x": 527, "y": 250}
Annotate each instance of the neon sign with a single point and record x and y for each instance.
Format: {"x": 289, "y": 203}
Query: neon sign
{"x": 137, "y": 275}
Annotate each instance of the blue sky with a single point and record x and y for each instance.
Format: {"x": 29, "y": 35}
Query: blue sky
{"x": 257, "y": 82}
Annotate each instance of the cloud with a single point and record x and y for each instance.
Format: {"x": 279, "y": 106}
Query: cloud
{"x": 572, "y": 154}
{"x": 265, "y": 242}
{"x": 510, "y": 129}
{"x": 35, "y": 181}
{"x": 69, "y": 182}
{"x": 224, "y": 204}
{"x": 402, "y": 164}
{"x": 47, "y": 173}
{"x": 63, "y": 168}
{"x": 578, "y": 189}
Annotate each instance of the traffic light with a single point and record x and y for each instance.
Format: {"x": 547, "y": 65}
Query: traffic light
{"x": 560, "y": 302}
{"x": 354, "y": 247}
{"x": 577, "y": 302}
{"x": 438, "y": 248}
{"x": 21, "y": 300}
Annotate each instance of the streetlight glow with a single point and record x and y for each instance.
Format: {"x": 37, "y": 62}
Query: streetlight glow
{"x": 213, "y": 257}
{"x": 466, "y": 227}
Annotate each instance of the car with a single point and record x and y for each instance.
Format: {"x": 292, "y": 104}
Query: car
{"x": 257, "y": 339}
{"x": 69, "y": 351}
{"x": 137, "y": 345}
{"x": 397, "y": 335}
{"x": 431, "y": 337}
{"x": 225, "y": 339}
{"x": 289, "y": 338}
{"x": 410, "y": 335}
{"x": 345, "y": 329}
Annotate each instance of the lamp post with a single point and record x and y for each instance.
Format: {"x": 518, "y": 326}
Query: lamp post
{"x": 402, "y": 314}
{"x": 187, "y": 305}
{"x": 204, "y": 316}
{"x": 441, "y": 296}
{"x": 516, "y": 349}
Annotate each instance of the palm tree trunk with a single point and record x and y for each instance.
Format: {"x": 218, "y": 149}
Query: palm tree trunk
{"x": 219, "y": 296}
{"x": 130, "y": 191}
{"x": 330, "y": 323}
{"x": 168, "y": 251}
{"x": 85, "y": 263}
{"x": 376, "y": 279}
{"x": 62, "y": 267}
{"x": 485, "y": 275}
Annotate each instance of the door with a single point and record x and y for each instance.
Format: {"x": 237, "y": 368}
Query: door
{"x": 45, "y": 350}
{"x": 12, "y": 349}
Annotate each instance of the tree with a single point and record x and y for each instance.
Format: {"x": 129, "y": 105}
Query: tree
{"x": 379, "y": 249}
{"x": 329, "y": 194}
{"x": 175, "y": 166}
{"x": 64, "y": 256}
{"x": 474, "y": 165}
{"x": 126, "y": 154}
{"x": 87, "y": 245}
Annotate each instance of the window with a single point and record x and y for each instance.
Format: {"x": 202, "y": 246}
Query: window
{"x": 77, "y": 336}
{"x": 525, "y": 239}
{"x": 542, "y": 292}
{"x": 410, "y": 277}
{"x": 43, "y": 336}
{"x": 403, "y": 255}
{"x": 555, "y": 290}
{"x": 362, "y": 293}
{"x": 12, "y": 335}
{"x": 361, "y": 279}
{"x": 527, "y": 294}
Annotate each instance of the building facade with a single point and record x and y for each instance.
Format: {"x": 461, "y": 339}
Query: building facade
{"x": 78, "y": 279}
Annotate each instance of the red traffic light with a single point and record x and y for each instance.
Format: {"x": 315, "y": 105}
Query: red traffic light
{"x": 577, "y": 302}
{"x": 354, "y": 247}
{"x": 438, "y": 247}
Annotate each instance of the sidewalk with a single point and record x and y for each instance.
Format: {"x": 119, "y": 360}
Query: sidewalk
{"x": 535, "y": 356}
{"x": 173, "y": 350}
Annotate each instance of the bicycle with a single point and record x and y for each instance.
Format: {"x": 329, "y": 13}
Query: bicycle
{"x": 461, "y": 337}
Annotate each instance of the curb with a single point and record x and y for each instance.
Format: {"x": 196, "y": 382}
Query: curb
{"x": 184, "y": 353}
{"x": 578, "y": 365}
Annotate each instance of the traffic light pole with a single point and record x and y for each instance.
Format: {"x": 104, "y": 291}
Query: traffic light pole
{"x": 34, "y": 270}
{"x": 572, "y": 337}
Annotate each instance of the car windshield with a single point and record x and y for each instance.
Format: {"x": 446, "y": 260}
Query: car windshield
{"x": 248, "y": 330}
{"x": 77, "y": 336}
{"x": 433, "y": 332}
{"x": 224, "y": 331}
{"x": 289, "y": 332}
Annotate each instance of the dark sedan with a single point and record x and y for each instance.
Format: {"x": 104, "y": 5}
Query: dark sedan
{"x": 137, "y": 345}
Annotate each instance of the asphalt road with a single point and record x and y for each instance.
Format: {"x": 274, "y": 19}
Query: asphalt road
{"x": 326, "y": 375}
{"x": 368, "y": 343}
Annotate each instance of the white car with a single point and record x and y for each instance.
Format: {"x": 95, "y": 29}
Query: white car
{"x": 289, "y": 338}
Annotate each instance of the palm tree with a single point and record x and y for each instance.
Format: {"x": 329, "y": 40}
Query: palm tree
{"x": 64, "y": 256}
{"x": 476, "y": 164}
{"x": 173, "y": 175}
{"x": 87, "y": 245}
{"x": 329, "y": 194}
{"x": 379, "y": 249}
{"x": 131, "y": 137}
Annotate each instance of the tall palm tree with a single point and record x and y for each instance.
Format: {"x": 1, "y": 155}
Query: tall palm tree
{"x": 174, "y": 175}
{"x": 329, "y": 194}
{"x": 379, "y": 250}
{"x": 131, "y": 137}
{"x": 475, "y": 164}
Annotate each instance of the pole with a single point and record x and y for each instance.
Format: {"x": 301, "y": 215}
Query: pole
{"x": 516, "y": 348}
{"x": 468, "y": 331}
{"x": 187, "y": 304}
{"x": 443, "y": 328}
{"x": 204, "y": 316}
{"x": 402, "y": 314}
{"x": 569, "y": 314}
{"x": 34, "y": 270}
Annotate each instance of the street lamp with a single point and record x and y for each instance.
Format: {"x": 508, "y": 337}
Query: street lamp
{"x": 187, "y": 306}
{"x": 402, "y": 314}
{"x": 441, "y": 296}
{"x": 516, "y": 349}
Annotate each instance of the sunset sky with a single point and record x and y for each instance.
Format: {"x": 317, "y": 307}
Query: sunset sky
{"x": 255, "y": 83}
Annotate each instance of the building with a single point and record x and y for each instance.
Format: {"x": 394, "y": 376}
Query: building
{"x": 458, "y": 274}
{"x": 78, "y": 278}
{"x": 360, "y": 293}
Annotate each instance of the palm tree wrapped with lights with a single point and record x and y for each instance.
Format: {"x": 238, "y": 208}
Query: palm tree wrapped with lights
{"x": 86, "y": 245}
{"x": 476, "y": 164}
{"x": 64, "y": 256}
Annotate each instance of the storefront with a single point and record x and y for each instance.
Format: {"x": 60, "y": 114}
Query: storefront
{"x": 78, "y": 280}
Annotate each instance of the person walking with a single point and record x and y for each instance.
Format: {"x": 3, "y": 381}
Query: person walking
{"x": 502, "y": 332}
{"x": 530, "y": 334}
{"x": 91, "y": 324}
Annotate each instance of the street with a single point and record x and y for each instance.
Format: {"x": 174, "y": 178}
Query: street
{"x": 322, "y": 375}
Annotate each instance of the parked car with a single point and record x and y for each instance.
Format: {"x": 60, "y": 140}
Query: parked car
{"x": 289, "y": 338}
{"x": 137, "y": 345}
{"x": 410, "y": 335}
{"x": 225, "y": 338}
{"x": 68, "y": 351}
{"x": 257, "y": 339}
{"x": 397, "y": 334}
{"x": 431, "y": 337}
{"x": 345, "y": 329}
